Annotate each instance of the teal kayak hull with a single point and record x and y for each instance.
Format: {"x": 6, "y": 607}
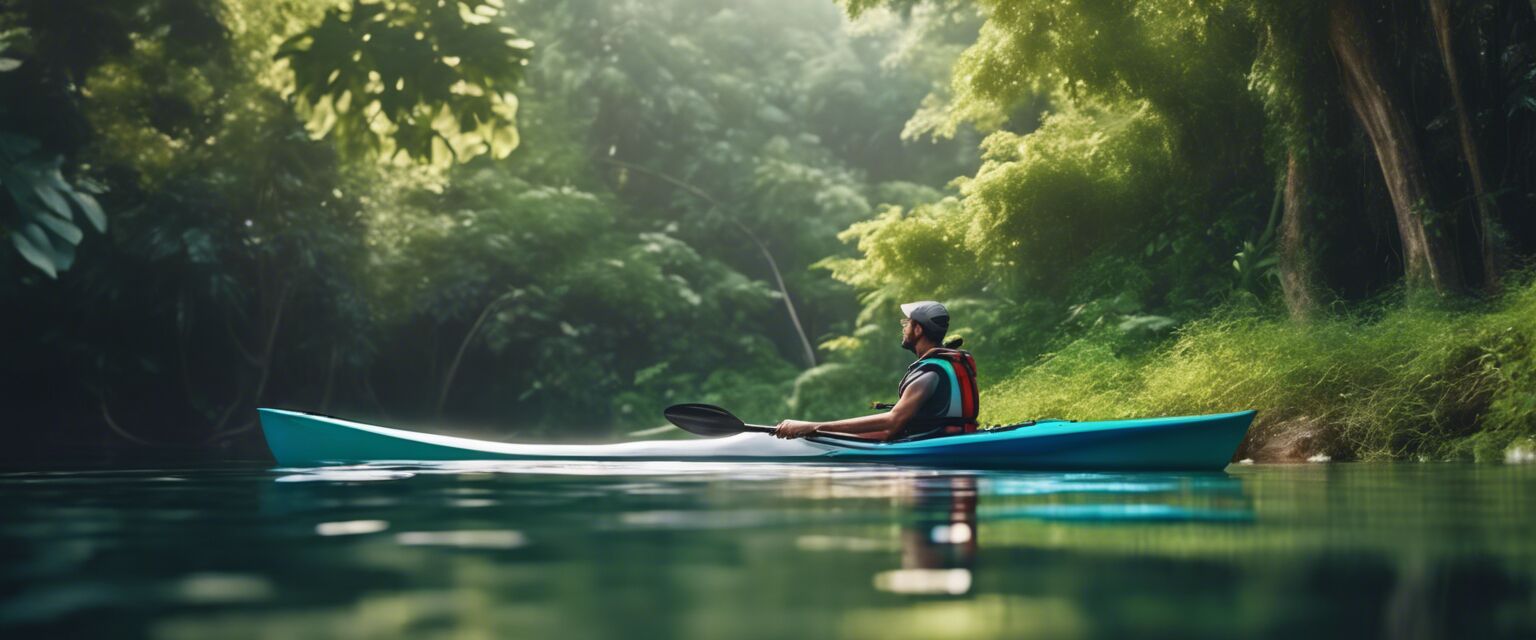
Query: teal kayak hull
{"x": 1205, "y": 442}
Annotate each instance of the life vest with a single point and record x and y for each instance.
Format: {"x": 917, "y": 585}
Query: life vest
{"x": 953, "y": 406}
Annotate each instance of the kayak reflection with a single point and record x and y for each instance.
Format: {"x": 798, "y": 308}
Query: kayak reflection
{"x": 1122, "y": 498}
{"x": 940, "y": 540}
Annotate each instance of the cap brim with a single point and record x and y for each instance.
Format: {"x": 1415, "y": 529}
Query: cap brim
{"x": 909, "y": 307}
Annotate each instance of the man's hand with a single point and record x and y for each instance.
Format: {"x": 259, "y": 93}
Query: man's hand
{"x": 791, "y": 429}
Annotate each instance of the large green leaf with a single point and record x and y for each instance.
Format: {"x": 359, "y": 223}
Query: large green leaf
{"x": 48, "y": 186}
{"x": 91, "y": 209}
{"x": 34, "y": 247}
{"x": 50, "y": 253}
{"x": 62, "y": 229}
{"x": 45, "y": 234}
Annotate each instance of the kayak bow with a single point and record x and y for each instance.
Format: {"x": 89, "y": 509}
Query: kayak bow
{"x": 1182, "y": 443}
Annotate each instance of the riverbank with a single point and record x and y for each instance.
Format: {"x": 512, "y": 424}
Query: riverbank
{"x": 1407, "y": 383}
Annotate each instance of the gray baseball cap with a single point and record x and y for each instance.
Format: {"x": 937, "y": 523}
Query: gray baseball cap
{"x": 932, "y": 316}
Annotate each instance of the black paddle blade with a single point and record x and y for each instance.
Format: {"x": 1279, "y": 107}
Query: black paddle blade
{"x": 706, "y": 420}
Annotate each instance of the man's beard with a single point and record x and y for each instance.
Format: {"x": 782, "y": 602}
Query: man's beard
{"x": 909, "y": 343}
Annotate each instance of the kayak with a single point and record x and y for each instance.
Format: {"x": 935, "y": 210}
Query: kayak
{"x": 1205, "y": 442}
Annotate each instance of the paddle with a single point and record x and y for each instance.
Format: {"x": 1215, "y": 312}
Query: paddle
{"x": 711, "y": 421}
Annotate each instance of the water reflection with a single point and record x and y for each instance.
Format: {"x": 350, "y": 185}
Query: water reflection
{"x": 769, "y": 551}
{"x": 938, "y": 543}
{"x": 1124, "y": 498}
{"x": 350, "y": 527}
{"x": 940, "y": 540}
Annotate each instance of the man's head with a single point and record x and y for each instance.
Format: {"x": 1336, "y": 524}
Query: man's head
{"x": 924, "y": 320}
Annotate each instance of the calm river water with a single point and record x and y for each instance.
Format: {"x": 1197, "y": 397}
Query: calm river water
{"x": 663, "y": 550}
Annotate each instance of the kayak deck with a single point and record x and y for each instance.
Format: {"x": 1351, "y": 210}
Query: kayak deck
{"x": 1178, "y": 443}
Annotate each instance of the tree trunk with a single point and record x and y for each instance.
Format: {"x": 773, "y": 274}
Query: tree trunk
{"x": 1489, "y": 236}
{"x": 1429, "y": 256}
{"x": 1299, "y": 279}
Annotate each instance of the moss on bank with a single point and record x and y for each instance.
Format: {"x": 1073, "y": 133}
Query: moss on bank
{"x": 1409, "y": 383}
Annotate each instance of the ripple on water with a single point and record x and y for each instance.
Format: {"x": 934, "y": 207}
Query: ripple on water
{"x": 350, "y": 527}
{"x": 464, "y": 539}
{"x": 346, "y": 474}
{"x": 221, "y": 588}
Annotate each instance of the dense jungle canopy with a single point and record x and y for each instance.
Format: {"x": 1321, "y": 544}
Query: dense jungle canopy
{"x": 554, "y": 218}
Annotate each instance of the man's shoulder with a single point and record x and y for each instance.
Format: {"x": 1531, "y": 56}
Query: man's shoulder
{"x": 922, "y": 380}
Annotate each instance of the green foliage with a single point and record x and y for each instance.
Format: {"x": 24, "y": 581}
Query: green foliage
{"x": 1258, "y": 262}
{"x": 683, "y": 166}
{"x": 168, "y": 70}
{"x": 1409, "y": 383}
{"x": 618, "y": 267}
{"x": 46, "y": 48}
{"x": 865, "y": 368}
{"x": 1041, "y": 205}
{"x": 1079, "y": 210}
{"x": 431, "y": 80}
{"x": 588, "y": 319}
{"x": 1112, "y": 210}
{"x": 44, "y": 205}
{"x": 1292, "y": 78}
{"x": 908, "y": 252}
{"x": 1186, "y": 58}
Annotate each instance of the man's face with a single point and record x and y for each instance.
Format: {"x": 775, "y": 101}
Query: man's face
{"x": 909, "y": 334}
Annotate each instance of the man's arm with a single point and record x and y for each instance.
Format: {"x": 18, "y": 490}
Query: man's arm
{"x": 884, "y": 426}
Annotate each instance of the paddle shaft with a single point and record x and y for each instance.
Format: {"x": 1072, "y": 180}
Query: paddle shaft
{"x": 830, "y": 436}
{"x": 713, "y": 422}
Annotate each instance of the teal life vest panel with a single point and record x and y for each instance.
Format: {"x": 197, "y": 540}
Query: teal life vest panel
{"x": 954, "y": 404}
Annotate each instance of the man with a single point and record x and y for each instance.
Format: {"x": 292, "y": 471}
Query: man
{"x": 937, "y": 395}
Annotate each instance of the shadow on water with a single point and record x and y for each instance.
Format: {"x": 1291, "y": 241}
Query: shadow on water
{"x": 709, "y": 550}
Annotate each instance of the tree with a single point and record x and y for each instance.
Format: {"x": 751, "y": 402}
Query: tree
{"x": 1490, "y": 237}
{"x": 1428, "y": 252}
{"x": 427, "y": 79}
{"x": 362, "y": 76}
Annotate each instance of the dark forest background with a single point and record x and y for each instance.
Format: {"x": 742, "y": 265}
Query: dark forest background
{"x": 548, "y": 220}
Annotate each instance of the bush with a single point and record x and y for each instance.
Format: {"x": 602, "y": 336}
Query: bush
{"x": 1409, "y": 382}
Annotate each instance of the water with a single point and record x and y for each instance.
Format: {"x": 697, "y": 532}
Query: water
{"x": 660, "y": 550}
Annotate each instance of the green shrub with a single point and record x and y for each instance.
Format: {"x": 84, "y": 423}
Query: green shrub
{"x": 1408, "y": 382}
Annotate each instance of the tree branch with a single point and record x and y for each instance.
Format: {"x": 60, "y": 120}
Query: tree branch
{"x": 264, "y": 365}
{"x": 453, "y": 367}
{"x": 266, "y": 355}
{"x": 106, "y": 416}
{"x": 229, "y": 328}
{"x": 773, "y": 265}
